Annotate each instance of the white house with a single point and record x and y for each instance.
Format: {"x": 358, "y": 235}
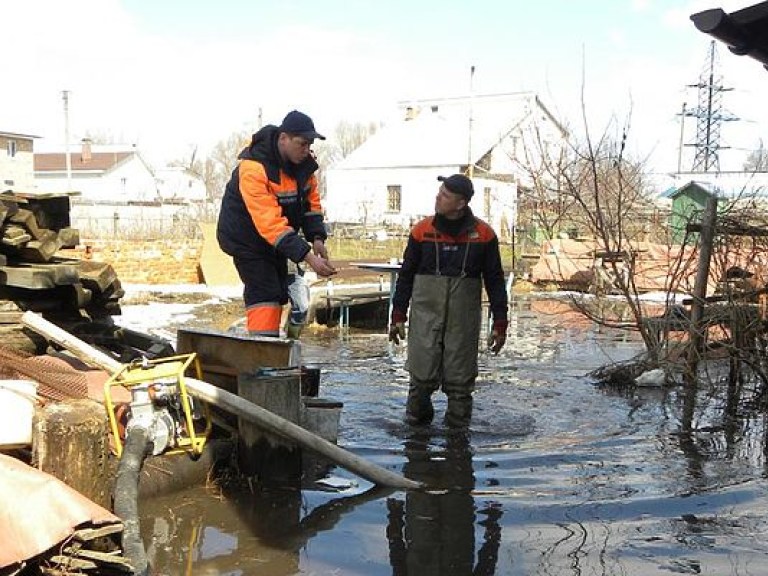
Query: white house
{"x": 102, "y": 174}
{"x": 17, "y": 171}
{"x": 391, "y": 179}
{"x": 176, "y": 184}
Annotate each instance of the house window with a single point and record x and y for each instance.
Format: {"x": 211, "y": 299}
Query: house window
{"x": 11, "y": 148}
{"x": 487, "y": 202}
{"x": 394, "y": 195}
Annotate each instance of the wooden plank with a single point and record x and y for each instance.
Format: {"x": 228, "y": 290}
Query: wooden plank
{"x": 27, "y": 219}
{"x": 42, "y": 249}
{"x": 229, "y": 354}
{"x": 70, "y": 562}
{"x": 15, "y": 236}
{"x": 111, "y": 558}
{"x": 10, "y": 317}
{"x": 86, "y": 534}
{"x": 40, "y": 276}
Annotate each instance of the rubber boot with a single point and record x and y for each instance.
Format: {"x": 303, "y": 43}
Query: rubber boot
{"x": 418, "y": 408}
{"x": 292, "y": 330}
{"x": 458, "y": 413}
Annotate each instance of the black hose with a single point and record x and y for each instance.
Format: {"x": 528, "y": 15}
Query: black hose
{"x": 126, "y": 496}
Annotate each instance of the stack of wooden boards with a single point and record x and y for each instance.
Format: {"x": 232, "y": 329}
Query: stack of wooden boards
{"x": 33, "y": 227}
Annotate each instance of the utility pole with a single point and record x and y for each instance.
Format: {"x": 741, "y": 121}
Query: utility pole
{"x": 68, "y": 159}
{"x": 680, "y": 144}
{"x": 470, "y": 160}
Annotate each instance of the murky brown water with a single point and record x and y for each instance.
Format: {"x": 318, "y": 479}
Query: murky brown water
{"x": 556, "y": 476}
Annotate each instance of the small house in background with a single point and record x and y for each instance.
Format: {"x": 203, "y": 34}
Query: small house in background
{"x": 178, "y": 185}
{"x": 115, "y": 174}
{"x": 690, "y": 197}
{"x": 687, "y": 201}
{"x": 17, "y": 171}
{"x": 391, "y": 179}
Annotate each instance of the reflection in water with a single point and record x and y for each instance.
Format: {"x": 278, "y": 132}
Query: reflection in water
{"x": 560, "y": 477}
{"x": 247, "y": 533}
{"x": 432, "y": 532}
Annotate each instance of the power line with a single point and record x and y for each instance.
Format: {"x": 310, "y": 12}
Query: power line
{"x": 709, "y": 114}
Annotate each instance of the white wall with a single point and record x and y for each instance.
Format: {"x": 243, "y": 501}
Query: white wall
{"x": 360, "y": 196}
{"x": 496, "y": 203}
{"x": 175, "y": 183}
{"x": 131, "y": 181}
{"x": 17, "y": 172}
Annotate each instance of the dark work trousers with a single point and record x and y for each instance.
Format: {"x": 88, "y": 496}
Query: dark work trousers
{"x": 443, "y": 335}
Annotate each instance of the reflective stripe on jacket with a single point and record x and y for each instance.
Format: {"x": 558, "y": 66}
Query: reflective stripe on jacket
{"x": 267, "y": 202}
{"x": 472, "y": 253}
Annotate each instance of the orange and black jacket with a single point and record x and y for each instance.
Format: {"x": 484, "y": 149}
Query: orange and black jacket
{"x": 267, "y": 201}
{"x": 467, "y": 247}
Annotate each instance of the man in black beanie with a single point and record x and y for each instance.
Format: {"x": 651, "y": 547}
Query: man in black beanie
{"x": 448, "y": 258}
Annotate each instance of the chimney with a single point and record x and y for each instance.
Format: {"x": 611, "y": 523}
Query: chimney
{"x": 85, "y": 152}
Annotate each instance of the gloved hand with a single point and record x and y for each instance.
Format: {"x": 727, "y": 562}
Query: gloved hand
{"x": 397, "y": 326}
{"x": 397, "y": 332}
{"x": 498, "y": 336}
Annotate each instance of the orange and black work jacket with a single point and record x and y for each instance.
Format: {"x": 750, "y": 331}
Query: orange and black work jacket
{"x": 267, "y": 201}
{"x": 467, "y": 247}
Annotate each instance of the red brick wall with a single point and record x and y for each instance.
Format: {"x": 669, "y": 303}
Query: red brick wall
{"x": 145, "y": 262}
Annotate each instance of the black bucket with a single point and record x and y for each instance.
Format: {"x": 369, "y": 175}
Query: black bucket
{"x": 310, "y": 381}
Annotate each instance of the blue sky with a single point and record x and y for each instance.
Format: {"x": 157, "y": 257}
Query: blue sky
{"x": 170, "y": 75}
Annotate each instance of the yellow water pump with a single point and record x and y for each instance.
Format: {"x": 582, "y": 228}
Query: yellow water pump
{"x": 159, "y": 402}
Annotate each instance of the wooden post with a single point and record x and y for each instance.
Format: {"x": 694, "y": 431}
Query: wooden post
{"x": 72, "y": 444}
{"x": 706, "y": 239}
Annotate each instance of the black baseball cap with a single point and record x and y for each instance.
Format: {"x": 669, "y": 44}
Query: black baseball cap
{"x": 300, "y": 124}
{"x": 458, "y": 184}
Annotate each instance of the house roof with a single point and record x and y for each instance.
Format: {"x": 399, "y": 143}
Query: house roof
{"x": 674, "y": 192}
{"x": 17, "y": 135}
{"x": 439, "y": 134}
{"x": 99, "y": 161}
{"x": 730, "y": 186}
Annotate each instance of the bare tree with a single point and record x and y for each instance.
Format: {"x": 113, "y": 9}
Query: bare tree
{"x": 215, "y": 169}
{"x": 346, "y": 138}
{"x": 540, "y": 202}
{"x": 757, "y": 161}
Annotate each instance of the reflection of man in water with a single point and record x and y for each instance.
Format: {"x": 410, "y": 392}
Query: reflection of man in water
{"x": 433, "y": 532}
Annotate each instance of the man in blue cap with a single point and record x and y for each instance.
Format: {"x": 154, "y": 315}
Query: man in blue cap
{"x": 271, "y": 197}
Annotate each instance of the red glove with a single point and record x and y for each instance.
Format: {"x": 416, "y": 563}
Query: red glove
{"x": 397, "y": 327}
{"x": 498, "y": 336}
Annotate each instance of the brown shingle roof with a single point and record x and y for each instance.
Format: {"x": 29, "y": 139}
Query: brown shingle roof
{"x": 57, "y": 162}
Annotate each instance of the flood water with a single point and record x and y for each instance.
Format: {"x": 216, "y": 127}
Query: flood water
{"x": 556, "y": 476}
